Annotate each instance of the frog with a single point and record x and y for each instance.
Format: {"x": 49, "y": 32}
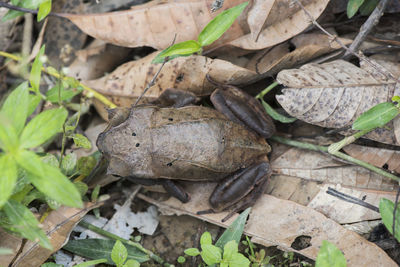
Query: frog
{"x": 173, "y": 140}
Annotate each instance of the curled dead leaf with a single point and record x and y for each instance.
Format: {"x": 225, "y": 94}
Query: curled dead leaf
{"x": 334, "y": 94}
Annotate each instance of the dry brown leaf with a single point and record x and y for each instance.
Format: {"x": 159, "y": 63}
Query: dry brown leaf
{"x": 128, "y": 81}
{"x": 313, "y": 166}
{"x": 258, "y": 15}
{"x": 57, "y": 225}
{"x": 379, "y": 157}
{"x": 308, "y": 46}
{"x": 155, "y": 23}
{"x": 334, "y": 94}
{"x": 276, "y": 222}
{"x": 285, "y": 20}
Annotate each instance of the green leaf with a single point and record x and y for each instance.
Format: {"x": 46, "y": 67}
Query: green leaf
{"x": 210, "y": 254}
{"x": 25, "y": 223}
{"x": 43, "y": 127}
{"x": 68, "y": 163}
{"x": 34, "y": 101}
{"x": 11, "y": 14}
{"x": 30, "y": 162}
{"x": 330, "y": 256}
{"x": 101, "y": 248}
{"x": 386, "y": 208}
{"x": 239, "y": 260}
{"x": 220, "y": 24}
{"x": 192, "y": 252}
{"x": 52, "y": 264}
{"x": 119, "y": 253}
{"x": 8, "y": 135}
{"x": 44, "y": 10}
{"x": 15, "y": 108}
{"x": 31, "y": 4}
{"x": 81, "y": 141}
{"x": 36, "y": 70}
{"x": 368, "y": 6}
{"x": 353, "y": 6}
{"x": 234, "y": 231}
{"x": 90, "y": 263}
{"x": 131, "y": 263}
{"x": 180, "y": 49}
{"x": 58, "y": 93}
{"x": 206, "y": 239}
{"x": 230, "y": 249}
{"x": 50, "y": 159}
{"x": 396, "y": 98}
{"x": 275, "y": 115}
{"x": 57, "y": 187}
{"x": 95, "y": 193}
{"x": 376, "y": 117}
{"x": 82, "y": 187}
{"x": 181, "y": 259}
{"x": 85, "y": 165}
{"x": 8, "y": 170}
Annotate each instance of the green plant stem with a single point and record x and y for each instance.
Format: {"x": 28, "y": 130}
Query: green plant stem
{"x": 266, "y": 90}
{"x": 335, "y": 147}
{"x": 128, "y": 242}
{"x": 57, "y": 75}
{"x": 341, "y": 155}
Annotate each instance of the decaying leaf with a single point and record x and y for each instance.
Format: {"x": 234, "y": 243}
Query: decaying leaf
{"x": 155, "y": 23}
{"x": 334, "y": 94}
{"x": 276, "y": 222}
{"x": 379, "y": 157}
{"x": 311, "y": 165}
{"x": 308, "y": 46}
{"x": 57, "y": 225}
{"x": 128, "y": 81}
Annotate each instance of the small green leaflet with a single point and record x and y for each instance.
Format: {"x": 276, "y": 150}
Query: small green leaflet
{"x": 386, "y": 208}
{"x": 330, "y": 256}
{"x": 81, "y": 141}
{"x": 192, "y": 252}
{"x": 220, "y": 24}
{"x": 119, "y": 254}
{"x": 376, "y": 117}
{"x": 353, "y": 6}
{"x": 8, "y": 178}
{"x": 234, "y": 231}
{"x": 181, "y": 49}
{"x": 44, "y": 10}
{"x": 58, "y": 93}
{"x": 36, "y": 70}
{"x": 206, "y": 239}
{"x": 210, "y": 254}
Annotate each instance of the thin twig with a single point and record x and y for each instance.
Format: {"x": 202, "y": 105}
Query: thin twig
{"x": 340, "y": 155}
{"x": 359, "y": 54}
{"x": 153, "y": 80}
{"x": 348, "y": 198}
{"x": 366, "y": 28}
{"x": 26, "y": 10}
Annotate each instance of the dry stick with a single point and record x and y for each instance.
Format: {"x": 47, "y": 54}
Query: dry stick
{"x": 26, "y": 10}
{"x": 345, "y": 197}
{"x": 366, "y": 28}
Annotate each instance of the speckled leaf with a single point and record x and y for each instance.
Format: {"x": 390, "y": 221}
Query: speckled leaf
{"x": 334, "y": 94}
{"x": 128, "y": 81}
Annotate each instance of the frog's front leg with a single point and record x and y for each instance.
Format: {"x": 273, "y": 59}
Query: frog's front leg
{"x": 175, "y": 98}
{"x": 240, "y": 190}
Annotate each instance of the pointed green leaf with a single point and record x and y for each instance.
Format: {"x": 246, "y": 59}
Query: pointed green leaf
{"x": 31, "y": 162}
{"x": 184, "y": 48}
{"x": 131, "y": 263}
{"x": 8, "y": 177}
{"x": 36, "y": 70}
{"x": 58, "y": 93}
{"x": 192, "y": 252}
{"x": 44, "y": 10}
{"x": 81, "y": 141}
{"x": 220, "y": 24}
{"x": 119, "y": 253}
{"x": 234, "y": 231}
{"x": 230, "y": 249}
{"x": 376, "y": 117}
{"x": 101, "y": 248}
{"x": 34, "y": 101}
{"x": 368, "y": 6}
{"x": 206, "y": 238}
{"x": 353, "y": 6}
{"x": 56, "y": 186}
{"x": 386, "y": 208}
{"x": 239, "y": 260}
{"x": 89, "y": 263}
{"x": 210, "y": 254}
{"x": 15, "y": 108}
{"x": 43, "y": 127}
{"x": 25, "y": 223}
{"x": 8, "y": 135}
{"x": 330, "y": 256}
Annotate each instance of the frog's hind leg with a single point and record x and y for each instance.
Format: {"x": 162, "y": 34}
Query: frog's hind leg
{"x": 171, "y": 187}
